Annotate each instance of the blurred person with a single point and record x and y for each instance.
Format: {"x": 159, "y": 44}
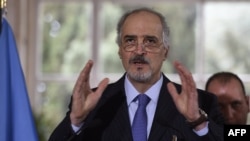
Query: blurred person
{"x": 172, "y": 111}
{"x": 232, "y": 98}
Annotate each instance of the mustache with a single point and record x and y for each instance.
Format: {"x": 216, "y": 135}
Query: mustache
{"x": 139, "y": 58}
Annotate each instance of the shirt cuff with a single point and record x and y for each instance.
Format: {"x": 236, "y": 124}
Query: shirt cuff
{"x": 76, "y": 128}
{"x": 203, "y": 131}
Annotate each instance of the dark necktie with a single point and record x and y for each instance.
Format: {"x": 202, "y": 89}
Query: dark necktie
{"x": 139, "y": 125}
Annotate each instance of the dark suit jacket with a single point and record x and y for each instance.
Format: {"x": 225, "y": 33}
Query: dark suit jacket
{"x": 109, "y": 121}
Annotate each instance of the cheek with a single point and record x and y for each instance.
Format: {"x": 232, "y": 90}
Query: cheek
{"x": 124, "y": 57}
{"x": 156, "y": 61}
{"x": 161, "y": 57}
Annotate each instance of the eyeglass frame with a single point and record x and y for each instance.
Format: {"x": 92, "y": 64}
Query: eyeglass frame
{"x": 144, "y": 44}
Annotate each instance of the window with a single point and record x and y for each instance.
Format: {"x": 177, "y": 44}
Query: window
{"x": 206, "y": 37}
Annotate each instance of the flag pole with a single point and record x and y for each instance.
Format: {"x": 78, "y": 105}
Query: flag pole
{"x": 3, "y": 5}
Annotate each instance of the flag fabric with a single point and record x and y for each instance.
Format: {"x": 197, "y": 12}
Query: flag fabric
{"x": 16, "y": 118}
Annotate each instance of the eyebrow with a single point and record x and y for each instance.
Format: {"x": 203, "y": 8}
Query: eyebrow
{"x": 151, "y": 37}
{"x": 130, "y": 36}
{"x": 145, "y": 36}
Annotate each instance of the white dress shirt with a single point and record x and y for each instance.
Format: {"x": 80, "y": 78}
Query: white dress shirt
{"x": 153, "y": 93}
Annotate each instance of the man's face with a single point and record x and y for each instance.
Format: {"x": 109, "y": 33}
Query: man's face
{"x": 233, "y": 103}
{"x": 140, "y": 64}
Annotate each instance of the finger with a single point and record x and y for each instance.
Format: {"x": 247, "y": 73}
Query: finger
{"x": 179, "y": 69}
{"x": 85, "y": 73}
{"x": 87, "y": 70}
{"x": 186, "y": 77}
{"x": 172, "y": 90}
{"x": 188, "y": 83}
{"x": 83, "y": 79}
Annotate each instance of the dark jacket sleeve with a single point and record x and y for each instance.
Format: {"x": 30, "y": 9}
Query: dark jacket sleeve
{"x": 215, "y": 118}
{"x": 63, "y": 132}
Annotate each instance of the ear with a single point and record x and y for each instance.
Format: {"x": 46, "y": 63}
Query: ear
{"x": 119, "y": 53}
{"x": 166, "y": 53}
{"x": 248, "y": 102}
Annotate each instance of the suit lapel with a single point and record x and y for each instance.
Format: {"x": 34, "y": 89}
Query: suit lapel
{"x": 165, "y": 115}
{"x": 121, "y": 124}
{"x": 117, "y": 115}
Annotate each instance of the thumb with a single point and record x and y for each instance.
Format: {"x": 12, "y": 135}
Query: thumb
{"x": 102, "y": 86}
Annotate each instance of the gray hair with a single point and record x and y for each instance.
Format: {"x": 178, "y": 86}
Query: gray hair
{"x": 165, "y": 33}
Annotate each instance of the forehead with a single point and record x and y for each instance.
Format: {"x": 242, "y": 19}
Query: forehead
{"x": 231, "y": 88}
{"x": 141, "y": 24}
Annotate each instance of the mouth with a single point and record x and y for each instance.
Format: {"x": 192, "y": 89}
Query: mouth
{"x": 138, "y": 60}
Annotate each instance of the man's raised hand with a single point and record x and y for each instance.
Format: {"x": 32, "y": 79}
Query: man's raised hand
{"x": 84, "y": 99}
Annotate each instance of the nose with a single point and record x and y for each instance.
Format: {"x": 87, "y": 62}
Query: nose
{"x": 228, "y": 112}
{"x": 140, "y": 49}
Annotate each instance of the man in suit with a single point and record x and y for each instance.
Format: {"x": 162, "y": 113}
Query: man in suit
{"x": 174, "y": 112}
{"x": 232, "y": 98}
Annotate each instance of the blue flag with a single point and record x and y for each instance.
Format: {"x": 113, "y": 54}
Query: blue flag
{"x": 16, "y": 118}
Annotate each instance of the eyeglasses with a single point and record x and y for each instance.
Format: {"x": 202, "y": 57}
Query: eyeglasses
{"x": 149, "y": 44}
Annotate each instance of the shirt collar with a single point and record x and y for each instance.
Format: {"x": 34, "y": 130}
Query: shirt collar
{"x": 153, "y": 92}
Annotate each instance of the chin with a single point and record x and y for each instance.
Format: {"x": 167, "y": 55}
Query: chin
{"x": 140, "y": 76}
